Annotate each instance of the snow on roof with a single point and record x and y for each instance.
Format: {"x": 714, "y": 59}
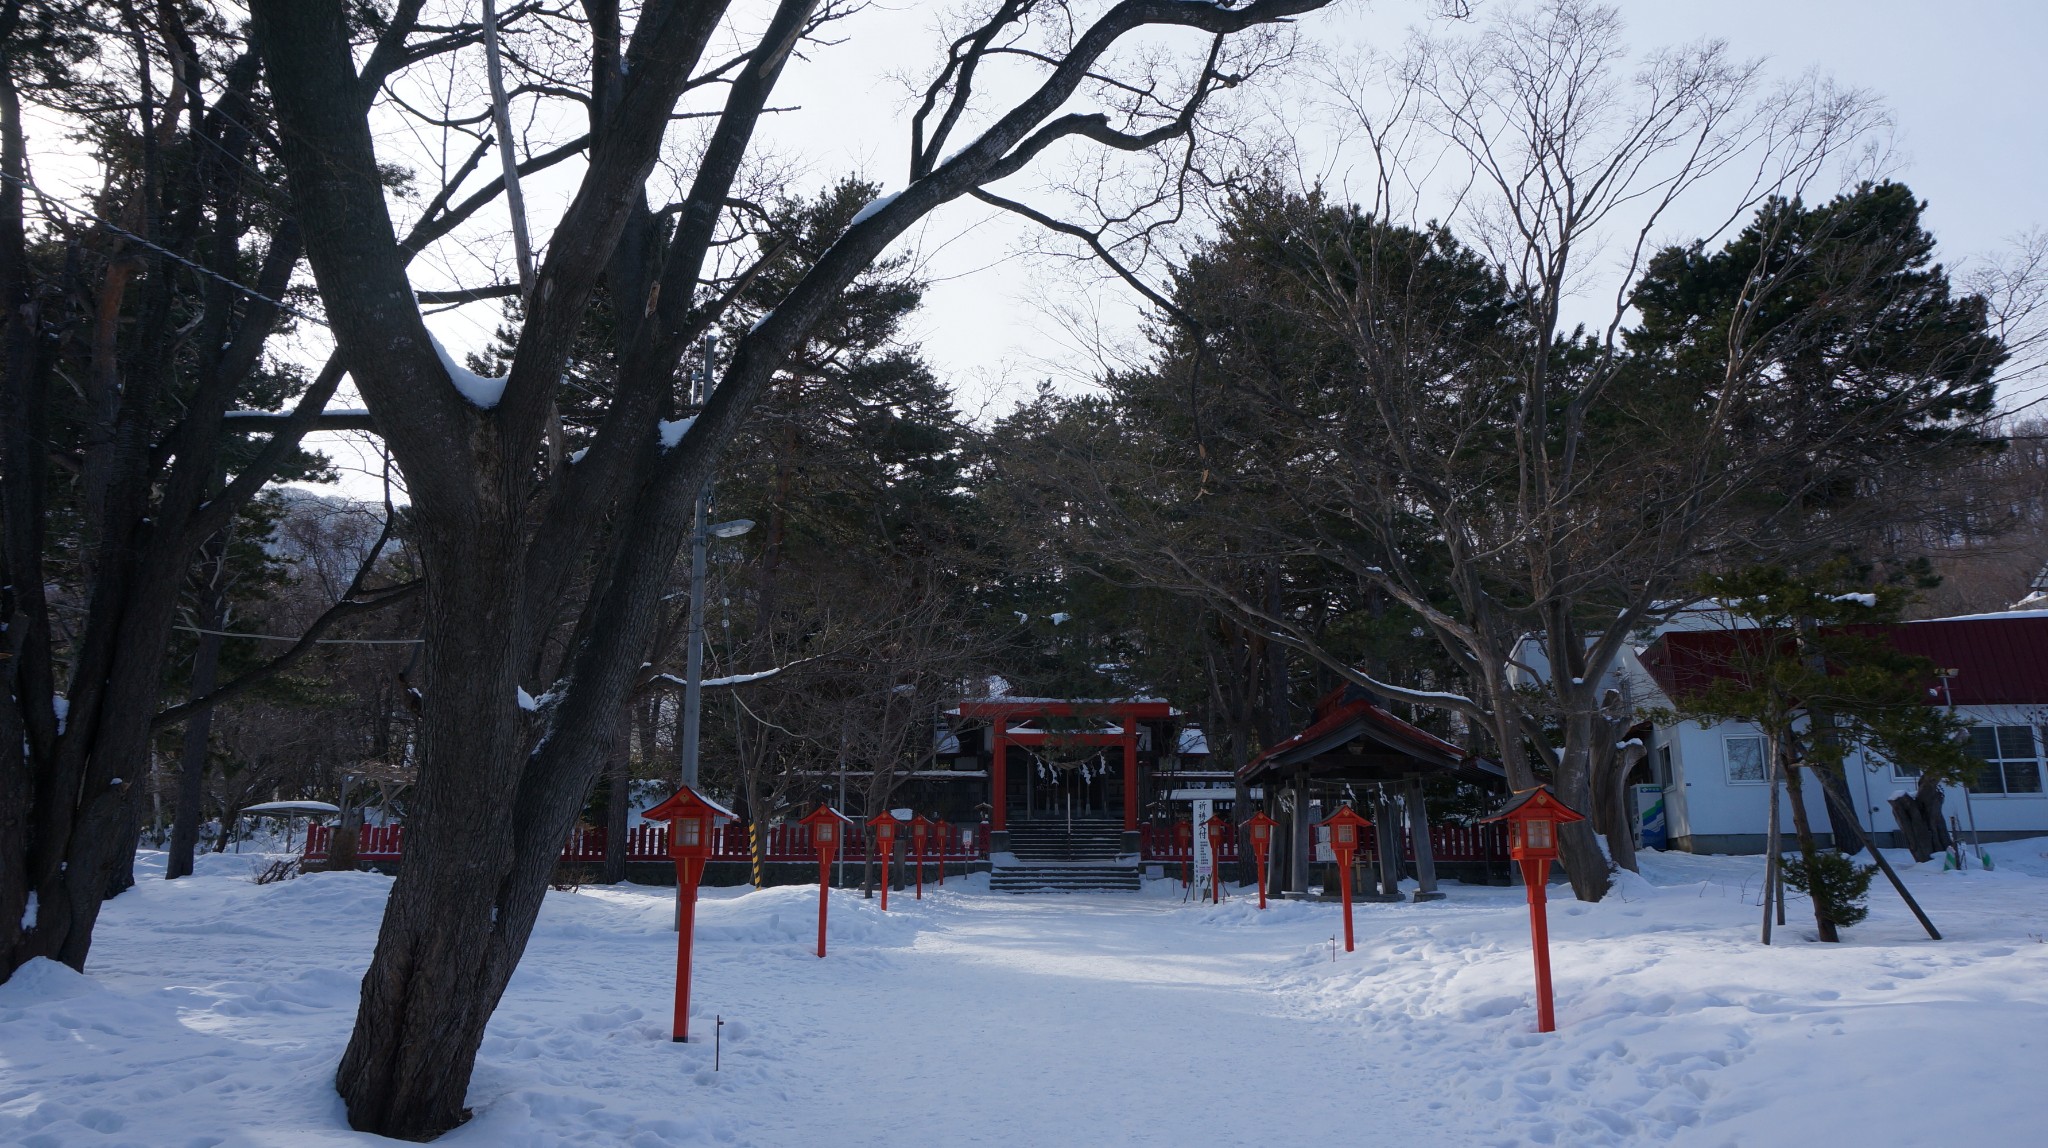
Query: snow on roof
{"x": 292, "y": 808}
{"x": 1193, "y": 740}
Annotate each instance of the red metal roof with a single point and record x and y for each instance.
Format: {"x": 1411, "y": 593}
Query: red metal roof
{"x": 2000, "y": 661}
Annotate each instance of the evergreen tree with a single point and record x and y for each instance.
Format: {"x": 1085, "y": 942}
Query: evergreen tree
{"x": 1817, "y": 676}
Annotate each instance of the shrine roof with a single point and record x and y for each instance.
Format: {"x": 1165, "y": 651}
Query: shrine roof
{"x": 1349, "y": 714}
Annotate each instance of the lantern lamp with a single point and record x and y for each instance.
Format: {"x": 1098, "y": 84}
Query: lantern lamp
{"x": 919, "y": 830}
{"x": 1216, "y": 827}
{"x": 1344, "y": 826}
{"x": 1260, "y": 828}
{"x": 828, "y": 828}
{"x": 691, "y": 818}
{"x": 1532, "y": 819}
{"x": 1184, "y": 842}
{"x": 885, "y": 825}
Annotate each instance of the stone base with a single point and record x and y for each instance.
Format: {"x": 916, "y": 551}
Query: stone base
{"x": 1431, "y": 895}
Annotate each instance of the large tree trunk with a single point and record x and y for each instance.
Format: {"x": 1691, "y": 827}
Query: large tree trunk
{"x": 1614, "y": 818}
{"x": 617, "y": 805}
{"x": 199, "y": 727}
{"x": 447, "y": 945}
{"x": 1921, "y": 827}
{"x": 1578, "y": 845}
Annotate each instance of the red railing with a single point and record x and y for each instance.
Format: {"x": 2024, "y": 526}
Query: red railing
{"x": 786, "y": 841}
{"x": 1446, "y": 843}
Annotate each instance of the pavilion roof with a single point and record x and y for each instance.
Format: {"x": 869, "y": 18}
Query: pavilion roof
{"x": 1349, "y": 714}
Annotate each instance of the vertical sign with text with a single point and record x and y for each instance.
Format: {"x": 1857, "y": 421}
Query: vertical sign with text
{"x": 1205, "y": 862}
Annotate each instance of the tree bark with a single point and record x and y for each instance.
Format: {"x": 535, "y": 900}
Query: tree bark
{"x": 618, "y": 803}
{"x": 1921, "y": 827}
{"x": 213, "y": 601}
{"x": 1809, "y": 851}
{"x": 1585, "y": 864}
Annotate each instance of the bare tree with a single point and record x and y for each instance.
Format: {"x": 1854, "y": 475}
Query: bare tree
{"x": 1414, "y": 411}
{"x": 139, "y": 325}
{"x": 502, "y": 538}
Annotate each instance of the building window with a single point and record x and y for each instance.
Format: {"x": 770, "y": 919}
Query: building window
{"x": 2011, "y": 762}
{"x": 1745, "y": 759}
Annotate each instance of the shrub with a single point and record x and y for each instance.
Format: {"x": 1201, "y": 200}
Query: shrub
{"x": 1838, "y": 886}
{"x": 283, "y": 869}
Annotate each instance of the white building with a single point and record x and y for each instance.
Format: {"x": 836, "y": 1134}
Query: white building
{"x": 1713, "y": 778}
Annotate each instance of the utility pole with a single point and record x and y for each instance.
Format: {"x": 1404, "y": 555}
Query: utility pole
{"x": 700, "y": 536}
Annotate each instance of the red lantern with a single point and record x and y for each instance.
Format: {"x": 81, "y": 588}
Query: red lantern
{"x": 1533, "y": 817}
{"x": 940, "y": 831}
{"x": 884, "y": 824}
{"x": 828, "y": 827}
{"x": 919, "y": 828}
{"x": 1184, "y": 840}
{"x": 691, "y": 817}
{"x": 1260, "y": 828}
{"x": 1345, "y": 826}
{"x": 1216, "y": 827}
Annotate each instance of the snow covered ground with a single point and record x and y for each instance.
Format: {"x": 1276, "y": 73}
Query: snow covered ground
{"x": 215, "y": 1008}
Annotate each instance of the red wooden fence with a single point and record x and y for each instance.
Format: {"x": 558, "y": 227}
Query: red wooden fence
{"x": 791, "y": 841}
{"x": 1446, "y": 843}
{"x": 786, "y": 841}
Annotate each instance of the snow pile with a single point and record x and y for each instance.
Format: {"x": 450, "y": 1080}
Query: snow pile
{"x": 671, "y": 431}
{"x": 216, "y": 1008}
{"x": 483, "y": 392}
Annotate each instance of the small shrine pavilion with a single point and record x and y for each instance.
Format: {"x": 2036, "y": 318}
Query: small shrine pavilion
{"x": 1357, "y": 751}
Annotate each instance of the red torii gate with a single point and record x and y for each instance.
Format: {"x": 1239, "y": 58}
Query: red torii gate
{"x": 1124, "y": 712}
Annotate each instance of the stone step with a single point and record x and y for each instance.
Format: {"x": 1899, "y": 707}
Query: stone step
{"x": 1026, "y": 879}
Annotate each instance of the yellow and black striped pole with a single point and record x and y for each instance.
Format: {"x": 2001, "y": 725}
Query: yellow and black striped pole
{"x": 754, "y": 849}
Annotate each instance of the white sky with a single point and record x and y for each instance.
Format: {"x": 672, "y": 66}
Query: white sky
{"x": 1959, "y": 78}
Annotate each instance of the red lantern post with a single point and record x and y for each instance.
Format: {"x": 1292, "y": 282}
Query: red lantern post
{"x": 1344, "y": 838}
{"x": 691, "y": 817}
{"x": 884, "y": 824}
{"x": 1259, "y": 828}
{"x": 1216, "y": 827}
{"x": 940, "y": 833}
{"x": 1184, "y": 840}
{"x": 1533, "y": 817}
{"x": 919, "y": 828}
{"x": 827, "y": 826}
